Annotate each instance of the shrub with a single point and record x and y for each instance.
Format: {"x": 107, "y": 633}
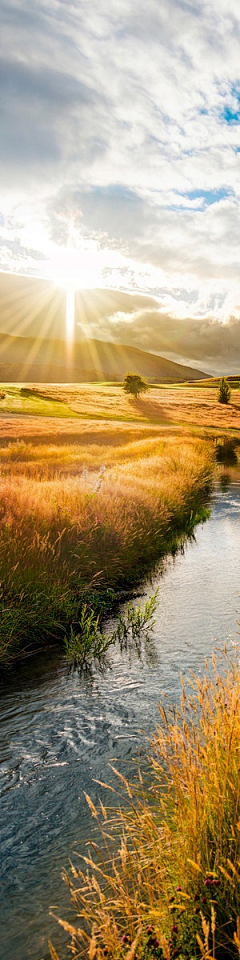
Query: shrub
{"x": 224, "y": 392}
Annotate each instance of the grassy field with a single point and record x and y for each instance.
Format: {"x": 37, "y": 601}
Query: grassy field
{"x": 20, "y": 399}
{"x": 87, "y": 508}
{"x": 195, "y": 405}
{"x": 163, "y": 881}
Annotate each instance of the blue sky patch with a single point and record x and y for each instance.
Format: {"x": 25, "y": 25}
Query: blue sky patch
{"x": 231, "y": 116}
{"x": 208, "y": 197}
{"x": 231, "y": 112}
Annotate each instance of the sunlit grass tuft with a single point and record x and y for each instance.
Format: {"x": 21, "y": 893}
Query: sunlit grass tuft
{"x": 164, "y": 878}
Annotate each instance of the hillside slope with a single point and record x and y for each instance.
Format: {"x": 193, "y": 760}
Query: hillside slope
{"x": 35, "y": 360}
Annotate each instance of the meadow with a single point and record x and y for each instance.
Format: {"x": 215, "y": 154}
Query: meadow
{"x": 88, "y": 506}
{"x": 192, "y": 404}
{"x": 178, "y": 404}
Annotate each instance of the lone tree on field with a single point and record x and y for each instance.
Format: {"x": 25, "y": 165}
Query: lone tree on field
{"x": 224, "y": 392}
{"x": 134, "y": 384}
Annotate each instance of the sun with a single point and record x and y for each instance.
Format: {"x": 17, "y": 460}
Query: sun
{"x": 82, "y": 264}
{"x": 76, "y": 268}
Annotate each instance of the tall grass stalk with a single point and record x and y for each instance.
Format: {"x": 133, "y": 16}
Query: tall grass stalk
{"x": 164, "y": 878}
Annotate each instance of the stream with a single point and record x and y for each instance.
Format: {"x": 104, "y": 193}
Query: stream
{"x": 60, "y": 732}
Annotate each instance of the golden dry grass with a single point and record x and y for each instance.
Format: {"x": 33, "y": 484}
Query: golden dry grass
{"x": 189, "y": 405}
{"x": 122, "y": 500}
{"x": 50, "y": 429}
{"x": 87, "y": 505}
{"x": 196, "y": 406}
{"x": 92, "y": 445}
{"x": 163, "y": 880}
{"x": 88, "y": 515}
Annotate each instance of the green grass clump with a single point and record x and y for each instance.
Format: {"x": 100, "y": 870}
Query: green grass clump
{"x": 89, "y": 644}
{"x": 33, "y": 617}
{"x": 164, "y": 879}
{"x": 137, "y": 620}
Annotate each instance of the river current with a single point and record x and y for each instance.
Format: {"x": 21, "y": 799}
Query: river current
{"x": 59, "y": 733}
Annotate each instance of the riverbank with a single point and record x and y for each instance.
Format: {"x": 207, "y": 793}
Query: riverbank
{"x": 81, "y": 521}
{"x": 163, "y": 880}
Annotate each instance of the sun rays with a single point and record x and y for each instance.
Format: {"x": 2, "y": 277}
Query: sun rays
{"x": 70, "y": 314}
{"x": 45, "y": 321}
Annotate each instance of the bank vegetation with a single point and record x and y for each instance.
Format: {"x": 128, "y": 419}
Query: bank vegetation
{"x": 80, "y": 522}
{"x": 161, "y": 879}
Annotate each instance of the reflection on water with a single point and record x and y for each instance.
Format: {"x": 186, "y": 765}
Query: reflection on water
{"x": 59, "y": 732}
{"x": 226, "y": 451}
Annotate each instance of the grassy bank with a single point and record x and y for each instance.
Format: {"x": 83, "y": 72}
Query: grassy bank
{"x": 164, "y": 881}
{"x": 81, "y": 520}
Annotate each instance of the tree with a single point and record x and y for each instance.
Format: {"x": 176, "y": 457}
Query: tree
{"x": 224, "y": 392}
{"x": 134, "y": 384}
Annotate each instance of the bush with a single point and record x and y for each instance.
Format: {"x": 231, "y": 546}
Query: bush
{"x": 224, "y": 392}
{"x": 134, "y": 384}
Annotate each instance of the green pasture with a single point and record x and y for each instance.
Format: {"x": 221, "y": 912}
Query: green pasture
{"x": 21, "y": 399}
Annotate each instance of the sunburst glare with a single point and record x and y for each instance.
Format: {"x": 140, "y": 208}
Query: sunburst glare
{"x": 80, "y": 267}
{"x": 70, "y": 313}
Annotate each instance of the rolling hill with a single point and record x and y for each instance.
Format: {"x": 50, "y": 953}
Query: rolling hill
{"x": 32, "y": 338}
{"x": 38, "y": 360}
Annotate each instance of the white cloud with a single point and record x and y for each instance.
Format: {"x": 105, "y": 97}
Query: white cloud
{"x": 121, "y": 135}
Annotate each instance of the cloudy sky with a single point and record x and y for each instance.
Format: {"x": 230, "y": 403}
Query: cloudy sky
{"x": 119, "y": 165}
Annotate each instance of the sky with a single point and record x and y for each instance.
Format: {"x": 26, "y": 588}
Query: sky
{"x": 119, "y": 166}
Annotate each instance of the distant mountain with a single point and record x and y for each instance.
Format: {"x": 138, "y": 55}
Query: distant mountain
{"x": 49, "y": 361}
{"x": 32, "y": 313}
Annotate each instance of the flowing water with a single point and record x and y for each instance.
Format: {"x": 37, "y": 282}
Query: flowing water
{"x": 59, "y": 732}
